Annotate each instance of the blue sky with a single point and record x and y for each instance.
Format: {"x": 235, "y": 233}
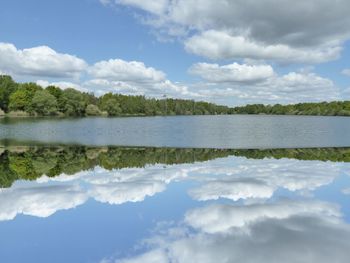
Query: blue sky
{"x": 229, "y": 52}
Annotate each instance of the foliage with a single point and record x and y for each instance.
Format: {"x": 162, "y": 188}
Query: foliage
{"x": 111, "y": 106}
{"x": 71, "y": 102}
{"x": 7, "y": 87}
{"x": 55, "y": 91}
{"x": 92, "y": 110}
{"x": 44, "y": 103}
{"x": 34, "y": 162}
{"x": 31, "y": 163}
{"x": 335, "y": 108}
{"x": 21, "y": 99}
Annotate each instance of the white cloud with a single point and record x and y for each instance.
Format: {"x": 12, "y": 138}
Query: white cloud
{"x": 230, "y": 84}
{"x": 289, "y": 88}
{"x": 221, "y": 45}
{"x": 155, "y": 89}
{"x": 310, "y": 32}
{"x": 114, "y": 75}
{"x": 39, "y": 61}
{"x": 259, "y": 179}
{"x": 47, "y": 195}
{"x": 304, "y": 86}
{"x": 314, "y": 230}
{"x": 133, "y": 78}
{"x": 154, "y": 7}
{"x": 125, "y": 71}
{"x": 225, "y": 218}
{"x": 233, "y": 190}
{"x": 232, "y": 72}
{"x": 39, "y": 201}
{"x": 61, "y": 84}
{"x": 126, "y": 185}
{"x": 106, "y": 2}
{"x": 346, "y": 191}
{"x": 232, "y": 178}
{"x": 346, "y": 72}
{"x": 119, "y": 193}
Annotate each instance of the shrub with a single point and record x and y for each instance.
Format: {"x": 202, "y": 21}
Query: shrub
{"x": 92, "y": 110}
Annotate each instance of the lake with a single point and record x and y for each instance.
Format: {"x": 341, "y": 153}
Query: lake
{"x": 235, "y": 131}
{"x": 112, "y": 204}
{"x": 225, "y": 189}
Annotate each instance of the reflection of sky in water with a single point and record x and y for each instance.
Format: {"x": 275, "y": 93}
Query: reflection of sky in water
{"x": 223, "y": 210}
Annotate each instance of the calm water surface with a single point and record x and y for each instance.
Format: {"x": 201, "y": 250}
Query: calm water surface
{"x": 100, "y": 204}
{"x": 67, "y": 197}
{"x": 238, "y": 131}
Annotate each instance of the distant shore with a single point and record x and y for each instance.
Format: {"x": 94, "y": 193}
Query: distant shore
{"x": 19, "y": 100}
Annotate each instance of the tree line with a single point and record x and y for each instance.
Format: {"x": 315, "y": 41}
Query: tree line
{"x": 334, "y": 108}
{"x": 305, "y": 154}
{"x": 30, "y": 163}
{"x": 30, "y": 99}
{"x": 33, "y": 100}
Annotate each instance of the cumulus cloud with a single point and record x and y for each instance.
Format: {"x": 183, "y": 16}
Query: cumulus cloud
{"x": 233, "y": 190}
{"x": 114, "y": 75}
{"x": 346, "y": 191}
{"x": 39, "y": 201}
{"x": 311, "y": 32}
{"x": 267, "y": 30}
{"x": 229, "y": 84}
{"x": 225, "y": 218}
{"x": 346, "y": 72}
{"x": 47, "y": 195}
{"x": 134, "y": 78}
{"x": 120, "y": 70}
{"x": 289, "y": 88}
{"x": 119, "y": 193}
{"x": 154, "y": 7}
{"x": 61, "y": 84}
{"x": 259, "y": 179}
{"x": 150, "y": 89}
{"x": 105, "y": 2}
{"x": 231, "y": 178}
{"x": 39, "y": 61}
{"x": 232, "y": 72}
{"x": 221, "y": 45}
{"x": 315, "y": 231}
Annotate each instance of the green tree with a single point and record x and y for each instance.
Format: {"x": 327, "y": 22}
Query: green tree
{"x": 23, "y": 167}
{"x": 112, "y": 107}
{"x": 72, "y": 103}
{"x": 55, "y": 91}
{"x": 7, "y": 176}
{"x": 44, "y": 103}
{"x": 7, "y": 87}
{"x": 21, "y": 99}
{"x": 92, "y": 110}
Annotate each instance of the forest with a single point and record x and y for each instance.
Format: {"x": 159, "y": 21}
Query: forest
{"x": 333, "y": 108}
{"x": 30, "y": 163}
{"x": 30, "y": 99}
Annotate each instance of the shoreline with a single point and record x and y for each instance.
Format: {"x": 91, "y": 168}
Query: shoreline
{"x": 8, "y": 116}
